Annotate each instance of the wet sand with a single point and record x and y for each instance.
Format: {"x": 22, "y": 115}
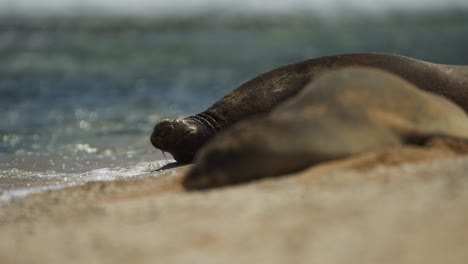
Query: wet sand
{"x": 403, "y": 205}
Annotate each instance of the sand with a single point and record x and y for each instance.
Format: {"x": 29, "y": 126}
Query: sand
{"x": 403, "y": 205}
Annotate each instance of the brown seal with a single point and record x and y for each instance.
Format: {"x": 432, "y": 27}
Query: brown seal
{"x": 340, "y": 113}
{"x": 182, "y": 138}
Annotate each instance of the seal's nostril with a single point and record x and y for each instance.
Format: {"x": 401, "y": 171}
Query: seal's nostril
{"x": 163, "y": 129}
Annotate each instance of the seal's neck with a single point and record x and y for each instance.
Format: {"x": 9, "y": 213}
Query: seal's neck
{"x": 208, "y": 121}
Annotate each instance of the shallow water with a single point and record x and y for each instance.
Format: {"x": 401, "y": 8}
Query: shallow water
{"x": 26, "y": 182}
{"x": 78, "y": 99}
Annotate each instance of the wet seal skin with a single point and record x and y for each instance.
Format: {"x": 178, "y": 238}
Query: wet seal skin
{"x": 183, "y": 138}
{"x": 341, "y": 113}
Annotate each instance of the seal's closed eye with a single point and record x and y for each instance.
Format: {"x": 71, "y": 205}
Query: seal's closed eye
{"x": 189, "y": 132}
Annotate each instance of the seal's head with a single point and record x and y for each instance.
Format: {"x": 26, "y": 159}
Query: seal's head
{"x": 180, "y": 137}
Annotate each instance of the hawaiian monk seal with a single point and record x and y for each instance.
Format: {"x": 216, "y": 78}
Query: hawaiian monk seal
{"x": 338, "y": 114}
{"x": 182, "y": 138}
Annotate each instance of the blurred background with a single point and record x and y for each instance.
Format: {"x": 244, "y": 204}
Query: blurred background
{"x": 82, "y": 82}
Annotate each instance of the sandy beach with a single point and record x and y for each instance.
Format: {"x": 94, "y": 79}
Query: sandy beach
{"x": 403, "y": 205}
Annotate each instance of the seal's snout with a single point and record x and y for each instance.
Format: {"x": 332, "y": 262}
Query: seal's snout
{"x": 161, "y": 133}
{"x": 176, "y": 137}
{"x": 180, "y": 137}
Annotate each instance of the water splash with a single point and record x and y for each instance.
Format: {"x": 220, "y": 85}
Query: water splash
{"x": 40, "y": 182}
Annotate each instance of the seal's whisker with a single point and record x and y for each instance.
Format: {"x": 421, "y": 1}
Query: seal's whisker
{"x": 164, "y": 154}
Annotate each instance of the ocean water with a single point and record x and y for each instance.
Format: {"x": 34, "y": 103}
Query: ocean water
{"x": 79, "y": 95}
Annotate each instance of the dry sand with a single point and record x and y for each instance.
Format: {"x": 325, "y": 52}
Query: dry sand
{"x": 405, "y": 205}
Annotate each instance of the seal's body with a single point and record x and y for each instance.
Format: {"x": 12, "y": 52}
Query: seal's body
{"x": 340, "y": 113}
{"x": 182, "y": 138}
